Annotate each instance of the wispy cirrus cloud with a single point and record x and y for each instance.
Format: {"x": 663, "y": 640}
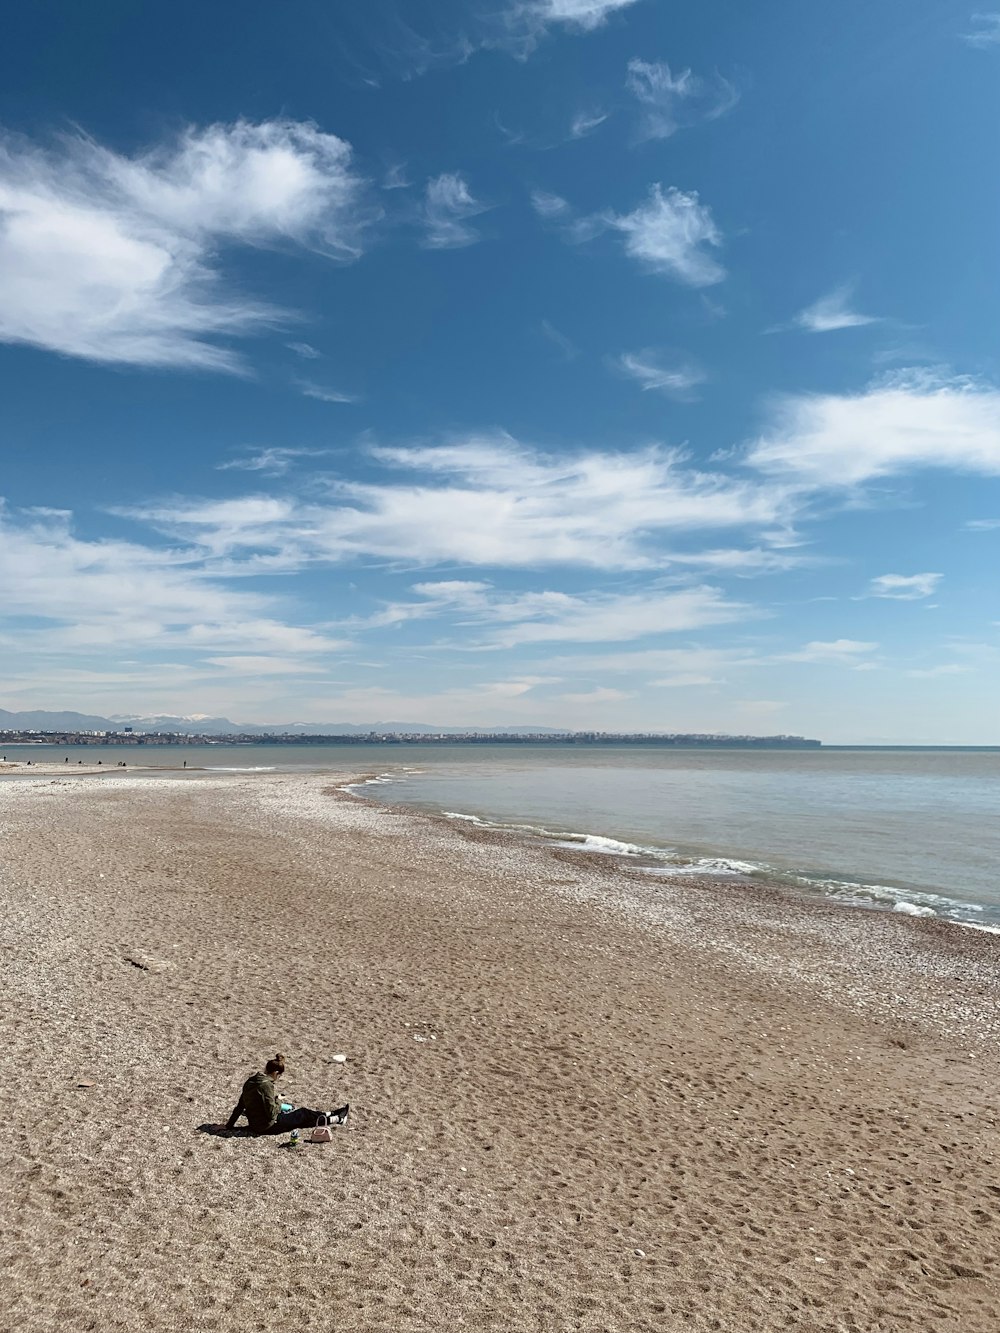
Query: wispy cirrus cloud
{"x": 451, "y": 34}
{"x": 409, "y": 47}
{"x": 552, "y": 616}
{"x": 486, "y": 501}
{"x": 945, "y": 669}
{"x": 582, "y": 124}
{"x": 586, "y": 14}
{"x": 272, "y": 462}
{"x": 395, "y": 177}
{"x": 112, "y": 258}
{"x": 323, "y": 393}
{"x": 985, "y": 33}
{"x": 548, "y": 205}
{"x": 305, "y": 350}
{"x": 904, "y": 423}
{"x": 672, "y": 102}
{"x": 82, "y": 595}
{"x": 904, "y": 587}
{"x": 684, "y": 680}
{"x": 703, "y": 666}
{"x": 601, "y": 694}
{"x": 565, "y": 344}
{"x": 527, "y": 21}
{"x": 669, "y": 663}
{"x": 672, "y": 234}
{"x": 256, "y": 664}
{"x": 448, "y": 207}
{"x": 652, "y": 371}
{"x": 842, "y": 652}
{"x": 585, "y": 123}
{"x": 832, "y": 312}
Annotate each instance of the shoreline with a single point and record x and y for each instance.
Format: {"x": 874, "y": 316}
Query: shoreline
{"x": 685, "y": 907}
{"x": 579, "y": 1101}
{"x": 654, "y": 861}
{"x": 650, "y": 860}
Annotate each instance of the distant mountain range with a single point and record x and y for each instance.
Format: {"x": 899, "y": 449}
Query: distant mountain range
{"x": 199, "y": 725}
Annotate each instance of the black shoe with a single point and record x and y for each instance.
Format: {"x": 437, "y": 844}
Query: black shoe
{"x": 340, "y": 1115}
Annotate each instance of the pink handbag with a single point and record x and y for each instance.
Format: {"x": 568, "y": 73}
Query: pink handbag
{"x": 322, "y": 1133}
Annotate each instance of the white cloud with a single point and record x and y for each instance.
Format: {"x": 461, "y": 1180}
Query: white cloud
{"x": 452, "y": 590}
{"x": 448, "y": 205}
{"x": 305, "y": 350}
{"x": 270, "y": 462}
{"x": 898, "y": 425}
{"x": 254, "y": 182}
{"x": 249, "y": 664}
{"x": 585, "y": 122}
{"x": 601, "y": 695}
{"x": 511, "y": 138}
{"x": 111, "y": 258}
{"x": 648, "y": 370}
{"x": 548, "y": 205}
{"x": 224, "y": 527}
{"x": 684, "y": 681}
{"x": 847, "y": 652}
{"x": 405, "y": 52}
{"x": 260, "y": 634}
{"x": 559, "y": 339}
{"x": 595, "y": 617}
{"x": 671, "y": 234}
{"x": 986, "y": 34}
{"x": 981, "y": 524}
{"x": 904, "y": 587}
{"x": 948, "y": 669}
{"x": 94, "y": 595}
{"x": 487, "y": 501}
{"x": 395, "y": 177}
{"x": 323, "y": 392}
{"x": 745, "y": 560}
{"x": 486, "y": 703}
{"x": 832, "y": 312}
{"x": 585, "y": 14}
{"x": 671, "y": 102}
{"x": 676, "y": 667}
{"x": 516, "y": 688}
{"x": 518, "y": 28}
{"x": 672, "y": 663}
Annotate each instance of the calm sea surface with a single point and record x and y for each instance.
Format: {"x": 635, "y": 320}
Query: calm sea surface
{"x": 913, "y": 830}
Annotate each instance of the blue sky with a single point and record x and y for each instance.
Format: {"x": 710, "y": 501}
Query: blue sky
{"x": 613, "y": 364}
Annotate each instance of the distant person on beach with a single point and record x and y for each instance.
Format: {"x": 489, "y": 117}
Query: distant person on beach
{"x": 260, "y": 1103}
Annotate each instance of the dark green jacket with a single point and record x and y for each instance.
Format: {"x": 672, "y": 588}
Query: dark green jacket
{"x": 259, "y": 1102}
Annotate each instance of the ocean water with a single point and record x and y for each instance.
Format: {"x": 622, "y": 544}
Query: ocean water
{"x": 906, "y": 830}
{"x": 914, "y": 831}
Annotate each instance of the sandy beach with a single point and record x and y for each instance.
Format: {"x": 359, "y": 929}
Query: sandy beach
{"x": 581, "y": 1099}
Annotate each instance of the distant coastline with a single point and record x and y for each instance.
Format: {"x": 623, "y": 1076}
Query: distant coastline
{"x": 679, "y": 740}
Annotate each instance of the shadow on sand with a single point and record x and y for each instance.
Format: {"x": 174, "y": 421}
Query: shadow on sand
{"x": 221, "y": 1132}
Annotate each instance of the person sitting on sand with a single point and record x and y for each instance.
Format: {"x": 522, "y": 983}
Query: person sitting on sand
{"x": 260, "y": 1103}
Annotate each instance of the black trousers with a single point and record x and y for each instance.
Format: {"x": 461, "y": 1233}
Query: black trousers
{"x": 300, "y": 1118}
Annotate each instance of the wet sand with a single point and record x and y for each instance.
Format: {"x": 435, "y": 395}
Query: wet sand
{"x": 580, "y": 1099}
